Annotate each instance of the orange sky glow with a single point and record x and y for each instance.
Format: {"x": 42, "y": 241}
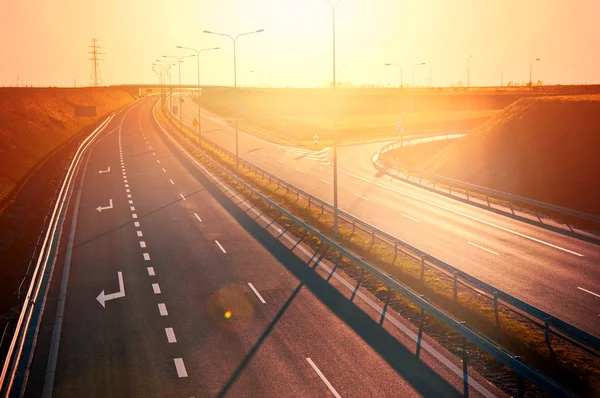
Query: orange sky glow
{"x": 44, "y": 42}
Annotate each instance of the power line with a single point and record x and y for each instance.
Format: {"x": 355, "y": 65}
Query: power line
{"x": 95, "y": 75}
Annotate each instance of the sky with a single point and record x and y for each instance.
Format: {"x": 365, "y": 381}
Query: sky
{"x": 44, "y": 42}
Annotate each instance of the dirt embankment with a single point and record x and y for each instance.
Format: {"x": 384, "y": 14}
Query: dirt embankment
{"x": 35, "y": 121}
{"x": 545, "y": 148}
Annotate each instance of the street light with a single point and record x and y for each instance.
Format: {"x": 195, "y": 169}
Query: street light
{"x": 199, "y": 107}
{"x": 530, "y": 69}
{"x": 234, "y": 40}
{"x": 413, "y": 73}
{"x": 333, "y": 101}
{"x": 166, "y": 68}
{"x": 179, "y": 61}
{"x": 401, "y": 77}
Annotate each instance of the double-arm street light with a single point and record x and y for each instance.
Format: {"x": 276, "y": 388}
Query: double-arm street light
{"x": 401, "y": 75}
{"x": 179, "y": 61}
{"x": 237, "y": 111}
{"x": 199, "y": 89}
{"x": 530, "y": 71}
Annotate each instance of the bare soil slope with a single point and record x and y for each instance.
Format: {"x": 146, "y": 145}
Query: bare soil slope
{"x": 35, "y": 121}
{"x": 545, "y": 148}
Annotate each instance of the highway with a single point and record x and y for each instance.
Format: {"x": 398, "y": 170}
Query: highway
{"x": 172, "y": 290}
{"x": 554, "y": 272}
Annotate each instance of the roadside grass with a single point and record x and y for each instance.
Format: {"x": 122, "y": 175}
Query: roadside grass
{"x": 569, "y": 366}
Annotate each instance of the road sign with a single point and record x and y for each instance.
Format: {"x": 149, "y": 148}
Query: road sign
{"x": 316, "y": 139}
{"x": 195, "y": 122}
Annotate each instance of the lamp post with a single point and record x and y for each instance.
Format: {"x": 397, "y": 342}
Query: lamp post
{"x": 334, "y": 110}
{"x": 234, "y": 40}
{"x": 166, "y": 69}
{"x": 413, "y": 72}
{"x": 401, "y": 77}
{"x": 179, "y": 61}
{"x": 530, "y": 72}
{"x": 199, "y": 89}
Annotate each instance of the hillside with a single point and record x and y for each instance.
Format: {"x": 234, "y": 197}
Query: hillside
{"x": 36, "y": 121}
{"x": 545, "y": 148}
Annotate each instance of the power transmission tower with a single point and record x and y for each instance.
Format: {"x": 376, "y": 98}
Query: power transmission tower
{"x": 95, "y": 75}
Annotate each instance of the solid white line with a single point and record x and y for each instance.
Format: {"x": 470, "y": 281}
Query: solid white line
{"x": 162, "y": 308}
{"x": 181, "y": 372}
{"x": 262, "y": 300}
{"x": 483, "y": 248}
{"x": 134, "y": 215}
{"x": 300, "y": 170}
{"x": 362, "y": 197}
{"x": 587, "y": 291}
{"x": 139, "y": 233}
{"x": 170, "y": 335}
{"x": 172, "y": 183}
{"x": 156, "y": 288}
{"x": 326, "y": 182}
{"x": 467, "y": 216}
{"x": 409, "y": 217}
{"x": 221, "y": 247}
{"x": 136, "y": 224}
{"x": 279, "y": 161}
{"x": 142, "y": 244}
{"x": 146, "y": 257}
{"x": 182, "y": 197}
{"x": 327, "y": 383}
{"x": 198, "y": 217}
{"x": 151, "y": 271}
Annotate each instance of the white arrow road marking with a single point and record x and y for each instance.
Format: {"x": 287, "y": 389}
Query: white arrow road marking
{"x": 104, "y": 171}
{"x": 103, "y": 298}
{"x": 110, "y": 206}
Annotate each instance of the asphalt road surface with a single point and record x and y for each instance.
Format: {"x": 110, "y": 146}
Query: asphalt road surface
{"x": 554, "y": 272}
{"x": 173, "y": 291}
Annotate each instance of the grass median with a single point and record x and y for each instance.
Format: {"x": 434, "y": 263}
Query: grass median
{"x": 568, "y": 366}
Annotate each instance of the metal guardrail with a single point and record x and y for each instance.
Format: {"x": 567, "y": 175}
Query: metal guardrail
{"x": 467, "y": 333}
{"x": 547, "y": 320}
{"x": 379, "y": 160}
{"x": 21, "y": 339}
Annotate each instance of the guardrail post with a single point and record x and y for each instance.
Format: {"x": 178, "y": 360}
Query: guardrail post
{"x": 309, "y": 200}
{"x": 422, "y": 268}
{"x": 395, "y": 251}
{"x": 362, "y": 273}
{"x": 353, "y": 225}
{"x": 547, "y": 338}
{"x": 270, "y": 180}
{"x": 455, "y": 287}
{"x": 387, "y": 302}
{"x": 496, "y": 309}
{"x": 467, "y": 194}
{"x": 488, "y": 200}
{"x": 287, "y": 189}
{"x": 321, "y": 208}
{"x": 511, "y": 208}
{"x": 372, "y": 237}
{"x": 420, "y": 335}
{"x": 449, "y": 189}
{"x": 277, "y": 184}
{"x": 465, "y": 367}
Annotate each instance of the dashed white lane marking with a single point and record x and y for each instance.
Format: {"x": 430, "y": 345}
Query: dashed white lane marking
{"x": 182, "y": 197}
{"x": 264, "y": 154}
{"x": 127, "y": 186}
{"x": 162, "y": 308}
{"x": 131, "y": 202}
{"x": 483, "y": 248}
{"x": 164, "y": 171}
{"x": 157, "y": 160}
{"x": 124, "y": 177}
{"x": 129, "y": 195}
{"x": 139, "y": 233}
{"x": 134, "y": 215}
{"x": 198, "y": 217}
{"x": 151, "y": 271}
{"x": 127, "y": 190}
{"x": 149, "y": 147}
{"x": 153, "y": 154}
{"x": 156, "y": 288}
{"x": 279, "y": 161}
{"x": 131, "y": 208}
{"x": 323, "y": 378}
{"x": 326, "y": 182}
{"x": 125, "y": 181}
{"x": 170, "y": 335}
{"x": 146, "y": 257}
{"x": 220, "y": 247}
{"x": 362, "y": 197}
{"x": 249, "y": 147}
{"x": 262, "y": 300}
{"x": 136, "y": 224}
{"x": 409, "y": 217}
{"x": 179, "y": 365}
{"x": 300, "y": 170}
{"x": 466, "y": 215}
{"x": 172, "y": 183}
{"x": 587, "y": 291}
{"x": 142, "y": 244}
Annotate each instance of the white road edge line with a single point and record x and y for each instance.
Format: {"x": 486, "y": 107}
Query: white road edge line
{"x": 483, "y": 248}
{"x": 362, "y": 197}
{"x": 170, "y": 335}
{"x": 179, "y": 365}
{"x": 587, "y": 291}
{"x": 198, "y": 217}
{"x": 262, "y": 300}
{"x": 327, "y": 383}
{"x": 220, "y": 247}
{"x": 409, "y": 217}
